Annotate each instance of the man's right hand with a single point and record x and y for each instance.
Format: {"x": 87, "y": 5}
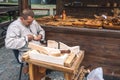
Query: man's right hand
{"x": 30, "y": 37}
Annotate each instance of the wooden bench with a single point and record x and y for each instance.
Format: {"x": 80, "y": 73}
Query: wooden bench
{"x": 38, "y": 9}
{"x": 9, "y": 11}
{"x": 70, "y": 73}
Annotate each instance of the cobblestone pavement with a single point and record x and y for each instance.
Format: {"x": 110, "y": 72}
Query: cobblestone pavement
{"x": 9, "y": 68}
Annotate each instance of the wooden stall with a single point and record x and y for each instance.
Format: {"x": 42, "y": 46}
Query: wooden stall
{"x": 101, "y": 45}
{"x": 87, "y": 8}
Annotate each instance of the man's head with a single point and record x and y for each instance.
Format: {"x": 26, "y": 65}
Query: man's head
{"x": 27, "y": 17}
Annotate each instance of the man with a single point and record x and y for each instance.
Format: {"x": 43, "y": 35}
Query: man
{"x": 22, "y": 31}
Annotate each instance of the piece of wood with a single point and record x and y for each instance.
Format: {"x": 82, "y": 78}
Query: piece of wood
{"x": 79, "y": 72}
{"x": 38, "y": 48}
{"x": 73, "y": 49}
{"x": 114, "y": 27}
{"x": 68, "y": 62}
{"x": 31, "y": 72}
{"x": 79, "y": 59}
{"x": 67, "y": 76}
{"x": 35, "y": 72}
{"x": 48, "y": 58}
{"x": 45, "y": 50}
{"x": 52, "y": 44}
{"x": 25, "y": 56}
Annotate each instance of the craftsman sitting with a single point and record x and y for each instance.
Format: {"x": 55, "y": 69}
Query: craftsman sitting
{"x": 22, "y": 31}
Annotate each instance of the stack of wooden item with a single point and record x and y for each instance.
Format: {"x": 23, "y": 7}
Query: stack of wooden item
{"x": 98, "y": 22}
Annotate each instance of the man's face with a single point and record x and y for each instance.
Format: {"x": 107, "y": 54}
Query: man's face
{"x": 27, "y": 22}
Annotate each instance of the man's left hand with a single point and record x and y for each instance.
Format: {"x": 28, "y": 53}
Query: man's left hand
{"x": 37, "y": 37}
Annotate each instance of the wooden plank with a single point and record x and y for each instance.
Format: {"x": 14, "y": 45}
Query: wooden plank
{"x": 84, "y": 31}
{"x": 11, "y": 8}
{"x": 69, "y": 61}
{"x": 50, "y": 65}
{"x": 31, "y": 71}
{"x": 79, "y": 72}
{"x": 67, "y": 76}
{"x": 40, "y": 9}
{"x": 41, "y": 49}
{"x": 78, "y": 61}
{"x": 36, "y": 72}
{"x": 103, "y": 61}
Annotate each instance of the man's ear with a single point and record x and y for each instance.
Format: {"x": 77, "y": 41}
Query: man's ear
{"x": 22, "y": 18}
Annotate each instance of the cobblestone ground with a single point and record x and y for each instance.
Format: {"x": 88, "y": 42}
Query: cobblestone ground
{"x": 9, "y": 68}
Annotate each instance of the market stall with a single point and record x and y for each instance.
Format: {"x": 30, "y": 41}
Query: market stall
{"x": 100, "y": 40}
{"x": 94, "y": 25}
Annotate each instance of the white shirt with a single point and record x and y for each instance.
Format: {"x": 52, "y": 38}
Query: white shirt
{"x": 16, "y": 37}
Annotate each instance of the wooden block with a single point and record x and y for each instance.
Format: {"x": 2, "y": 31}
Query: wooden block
{"x": 78, "y": 61}
{"x": 38, "y": 48}
{"x": 25, "y": 56}
{"x": 52, "y": 44}
{"x": 73, "y": 49}
{"x": 68, "y": 62}
{"x": 51, "y": 59}
{"x": 45, "y": 50}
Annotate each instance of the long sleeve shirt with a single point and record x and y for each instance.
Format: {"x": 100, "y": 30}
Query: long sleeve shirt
{"x": 16, "y": 37}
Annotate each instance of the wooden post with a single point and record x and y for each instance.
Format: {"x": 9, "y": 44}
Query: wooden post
{"x": 59, "y": 7}
{"x": 67, "y": 76}
{"x": 24, "y": 4}
{"x": 31, "y": 72}
{"x": 36, "y": 72}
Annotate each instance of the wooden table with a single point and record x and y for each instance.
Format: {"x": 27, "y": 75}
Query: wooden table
{"x": 69, "y": 72}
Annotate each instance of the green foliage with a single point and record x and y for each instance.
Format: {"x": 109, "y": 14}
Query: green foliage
{"x": 38, "y": 16}
{"x": 4, "y": 18}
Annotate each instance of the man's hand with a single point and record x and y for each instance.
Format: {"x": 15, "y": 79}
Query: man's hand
{"x": 38, "y": 37}
{"x": 30, "y": 37}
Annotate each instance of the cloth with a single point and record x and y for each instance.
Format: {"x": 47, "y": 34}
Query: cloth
{"x": 16, "y": 37}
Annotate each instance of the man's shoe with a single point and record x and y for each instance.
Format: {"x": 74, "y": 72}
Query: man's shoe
{"x": 47, "y": 78}
{"x": 25, "y": 69}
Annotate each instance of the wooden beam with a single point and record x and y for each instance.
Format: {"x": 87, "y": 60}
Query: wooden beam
{"x": 24, "y": 4}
